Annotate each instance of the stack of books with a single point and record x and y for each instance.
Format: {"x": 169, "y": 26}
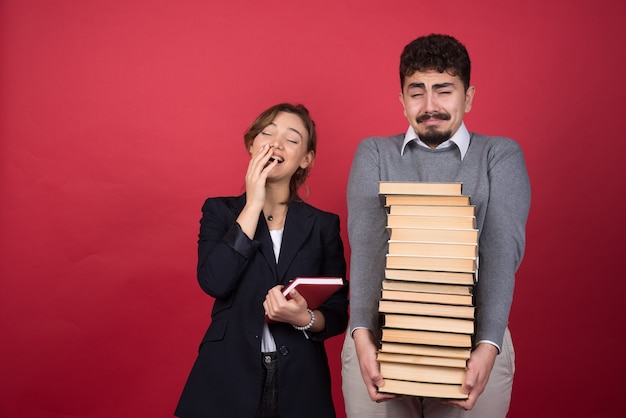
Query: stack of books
{"x": 427, "y": 294}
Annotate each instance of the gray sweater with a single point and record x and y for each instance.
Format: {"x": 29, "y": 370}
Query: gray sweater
{"x": 493, "y": 174}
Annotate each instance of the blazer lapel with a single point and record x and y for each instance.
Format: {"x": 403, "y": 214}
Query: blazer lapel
{"x": 267, "y": 246}
{"x": 298, "y": 225}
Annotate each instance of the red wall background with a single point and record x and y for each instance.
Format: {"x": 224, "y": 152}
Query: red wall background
{"x": 118, "y": 118}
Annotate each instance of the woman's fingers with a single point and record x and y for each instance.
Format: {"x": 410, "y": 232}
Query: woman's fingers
{"x": 258, "y": 168}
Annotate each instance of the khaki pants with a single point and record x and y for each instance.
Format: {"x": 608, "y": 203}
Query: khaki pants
{"x": 493, "y": 402}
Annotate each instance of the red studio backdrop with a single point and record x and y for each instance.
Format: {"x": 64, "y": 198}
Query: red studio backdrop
{"x": 118, "y": 118}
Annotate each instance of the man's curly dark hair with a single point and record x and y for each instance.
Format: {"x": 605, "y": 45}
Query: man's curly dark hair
{"x": 435, "y": 52}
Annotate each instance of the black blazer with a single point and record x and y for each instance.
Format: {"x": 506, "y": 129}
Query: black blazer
{"x": 227, "y": 377}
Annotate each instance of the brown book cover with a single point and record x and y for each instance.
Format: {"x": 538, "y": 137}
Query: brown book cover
{"x": 420, "y": 287}
{"x": 429, "y": 323}
{"x": 432, "y": 210}
{"x": 442, "y": 235}
{"x": 398, "y": 199}
{"x": 452, "y": 264}
{"x": 417, "y": 350}
{"x": 424, "y": 360}
{"x": 422, "y": 373}
{"x": 448, "y": 339}
{"x": 429, "y": 390}
{"x": 431, "y": 222}
{"x": 427, "y": 309}
{"x": 436, "y": 249}
{"x": 424, "y": 297}
{"x": 426, "y": 276}
{"x": 419, "y": 188}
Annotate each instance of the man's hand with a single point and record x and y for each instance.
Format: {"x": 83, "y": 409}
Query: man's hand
{"x": 370, "y": 370}
{"x": 479, "y": 368}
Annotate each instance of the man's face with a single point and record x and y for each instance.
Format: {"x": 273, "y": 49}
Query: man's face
{"x": 434, "y": 104}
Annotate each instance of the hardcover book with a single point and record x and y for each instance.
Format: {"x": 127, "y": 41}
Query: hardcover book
{"x": 314, "y": 289}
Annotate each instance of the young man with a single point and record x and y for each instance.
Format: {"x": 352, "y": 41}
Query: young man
{"x": 437, "y": 147}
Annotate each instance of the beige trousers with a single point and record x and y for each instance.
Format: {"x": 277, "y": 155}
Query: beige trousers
{"x": 493, "y": 402}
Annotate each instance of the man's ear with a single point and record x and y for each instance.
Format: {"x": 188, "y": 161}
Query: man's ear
{"x": 469, "y": 97}
{"x": 401, "y": 98}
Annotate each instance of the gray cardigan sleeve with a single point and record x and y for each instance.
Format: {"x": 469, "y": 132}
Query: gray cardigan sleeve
{"x": 368, "y": 236}
{"x": 502, "y": 237}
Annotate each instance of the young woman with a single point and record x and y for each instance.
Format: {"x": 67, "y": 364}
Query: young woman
{"x": 263, "y": 354}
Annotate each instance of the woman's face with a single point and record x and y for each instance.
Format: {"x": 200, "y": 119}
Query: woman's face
{"x": 288, "y": 138}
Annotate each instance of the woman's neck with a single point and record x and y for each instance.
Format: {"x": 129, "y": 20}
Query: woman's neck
{"x": 275, "y": 208}
{"x": 275, "y": 212}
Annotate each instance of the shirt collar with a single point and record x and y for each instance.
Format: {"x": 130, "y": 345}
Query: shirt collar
{"x": 461, "y": 138}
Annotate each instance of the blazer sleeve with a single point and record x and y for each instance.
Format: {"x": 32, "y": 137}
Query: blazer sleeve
{"x": 223, "y": 249}
{"x": 335, "y": 309}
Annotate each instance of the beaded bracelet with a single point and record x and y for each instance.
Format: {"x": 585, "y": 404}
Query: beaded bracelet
{"x": 307, "y": 326}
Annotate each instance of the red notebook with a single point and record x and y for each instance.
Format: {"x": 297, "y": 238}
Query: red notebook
{"x": 314, "y": 289}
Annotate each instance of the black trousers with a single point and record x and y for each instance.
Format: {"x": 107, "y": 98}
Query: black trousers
{"x": 268, "y": 408}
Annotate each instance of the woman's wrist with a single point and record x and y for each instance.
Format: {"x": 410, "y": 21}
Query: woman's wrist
{"x": 309, "y": 324}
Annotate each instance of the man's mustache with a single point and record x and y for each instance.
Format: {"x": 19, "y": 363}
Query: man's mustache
{"x": 433, "y": 115}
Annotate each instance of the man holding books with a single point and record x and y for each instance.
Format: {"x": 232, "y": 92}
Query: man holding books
{"x": 437, "y": 147}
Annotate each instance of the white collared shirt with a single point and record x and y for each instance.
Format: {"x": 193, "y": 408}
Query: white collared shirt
{"x": 267, "y": 339}
{"x": 461, "y": 138}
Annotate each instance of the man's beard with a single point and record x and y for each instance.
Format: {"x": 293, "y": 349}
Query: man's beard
{"x": 432, "y": 137}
